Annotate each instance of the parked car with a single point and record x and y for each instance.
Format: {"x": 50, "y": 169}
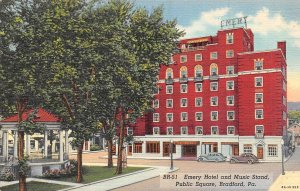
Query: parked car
{"x": 244, "y": 158}
{"x": 216, "y": 157}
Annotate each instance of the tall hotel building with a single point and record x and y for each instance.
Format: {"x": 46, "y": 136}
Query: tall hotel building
{"x": 217, "y": 95}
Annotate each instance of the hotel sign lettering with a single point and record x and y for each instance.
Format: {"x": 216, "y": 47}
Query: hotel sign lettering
{"x": 233, "y": 22}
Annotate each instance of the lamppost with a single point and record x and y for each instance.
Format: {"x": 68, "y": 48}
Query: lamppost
{"x": 282, "y": 160}
{"x": 171, "y": 154}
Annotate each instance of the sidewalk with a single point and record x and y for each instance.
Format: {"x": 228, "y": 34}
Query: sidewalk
{"x": 287, "y": 182}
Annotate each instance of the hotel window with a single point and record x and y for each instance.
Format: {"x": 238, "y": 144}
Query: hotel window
{"x": 230, "y": 115}
{"x": 230, "y": 100}
{"x": 284, "y": 115}
{"x": 258, "y": 64}
{"x": 155, "y": 130}
{"x": 259, "y": 114}
{"x": 169, "y": 73}
{"x": 229, "y": 38}
{"x": 213, "y": 69}
{"x": 283, "y": 100}
{"x": 183, "y": 102}
{"x": 259, "y": 82}
{"x": 213, "y": 86}
{"x": 156, "y": 91}
{"x": 214, "y": 116}
{"x": 198, "y": 57}
{"x": 183, "y": 116}
{"x": 152, "y": 147}
{"x": 272, "y": 150}
{"x": 129, "y": 131}
{"x": 284, "y": 86}
{"x": 198, "y": 101}
{"x": 258, "y": 98}
{"x": 229, "y": 54}
{"x": 183, "y": 72}
{"x": 230, "y": 85}
{"x": 214, "y": 101}
{"x": 230, "y": 130}
{"x": 183, "y": 59}
{"x": 169, "y": 89}
{"x": 198, "y": 87}
{"x": 169, "y": 130}
{"x": 213, "y": 55}
{"x": 183, "y": 88}
{"x": 199, "y": 116}
{"x": 156, "y": 103}
{"x": 198, "y": 71}
{"x": 137, "y": 147}
{"x": 171, "y": 60}
{"x": 184, "y": 130}
{"x": 214, "y": 130}
{"x": 230, "y": 70}
{"x": 169, "y": 117}
{"x": 155, "y": 117}
{"x": 169, "y": 103}
{"x": 199, "y": 130}
{"x": 259, "y": 129}
{"x": 247, "y": 148}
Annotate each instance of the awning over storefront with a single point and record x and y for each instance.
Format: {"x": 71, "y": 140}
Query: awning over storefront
{"x": 209, "y": 143}
{"x": 229, "y": 143}
{"x": 187, "y": 142}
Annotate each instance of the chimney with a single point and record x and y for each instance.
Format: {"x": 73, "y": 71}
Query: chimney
{"x": 282, "y": 45}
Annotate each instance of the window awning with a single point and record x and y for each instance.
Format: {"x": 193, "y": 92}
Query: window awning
{"x": 197, "y": 40}
{"x": 187, "y": 142}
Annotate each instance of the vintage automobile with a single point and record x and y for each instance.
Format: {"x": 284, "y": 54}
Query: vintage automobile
{"x": 244, "y": 158}
{"x": 216, "y": 157}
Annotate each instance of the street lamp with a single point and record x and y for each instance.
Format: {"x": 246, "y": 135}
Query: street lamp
{"x": 282, "y": 160}
{"x": 171, "y": 154}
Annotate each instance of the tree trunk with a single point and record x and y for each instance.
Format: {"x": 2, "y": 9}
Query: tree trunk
{"x": 79, "y": 164}
{"x": 22, "y": 177}
{"x": 120, "y": 146}
{"x": 110, "y": 154}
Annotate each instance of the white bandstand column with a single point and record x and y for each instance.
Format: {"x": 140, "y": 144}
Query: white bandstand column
{"x": 5, "y": 145}
{"x": 16, "y": 144}
{"x": 67, "y": 143}
{"x": 61, "y": 149}
{"x": 27, "y": 144}
{"x": 219, "y": 147}
{"x": 46, "y": 144}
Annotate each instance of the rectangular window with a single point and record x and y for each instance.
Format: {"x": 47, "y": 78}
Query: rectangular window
{"x": 169, "y": 103}
{"x": 213, "y": 86}
{"x": 272, "y": 150}
{"x": 230, "y": 115}
{"x": 230, "y": 85}
{"x": 183, "y": 59}
{"x": 183, "y": 116}
{"x": 171, "y": 60}
{"x": 129, "y": 131}
{"x": 155, "y": 130}
{"x": 230, "y": 70}
{"x": 259, "y": 114}
{"x": 259, "y": 82}
{"x": 137, "y": 148}
{"x": 284, "y": 100}
{"x": 198, "y": 101}
{"x": 258, "y": 64}
{"x": 183, "y": 102}
{"x": 156, "y": 103}
{"x": 259, "y": 129}
{"x": 169, "y": 117}
{"x": 155, "y": 117}
{"x": 214, "y": 130}
{"x": 169, "y": 130}
{"x": 198, "y": 57}
{"x": 169, "y": 89}
{"x": 213, "y": 55}
{"x": 152, "y": 147}
{"x": 230, "y": 100}
{"x": 198, "y": 87}
{"x": 248, "y": 148}
{"x": 214, "y": 116}
{"x": 258, "y": 98}
{"x": 284, "y": 115}
{"x": 229, "y": 54}
{"x": 214, "y": 101}
{"x": 183, "y": 88}
{"x": 229, "y": 38}
{"x": 199, "y": 130}
{"x": 184, "y": 130}
{"x": 230, "y": 130}
{"x": 156, "y": 91}
{"x": 199, "y": 116}
{"x": 284, "y": 86}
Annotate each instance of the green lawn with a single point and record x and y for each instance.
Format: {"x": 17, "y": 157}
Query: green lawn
{"x": 95, "y": 173}
{"x": 35, "y": 186}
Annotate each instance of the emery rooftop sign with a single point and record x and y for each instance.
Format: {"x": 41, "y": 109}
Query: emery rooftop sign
{"x": 228, "y": 23}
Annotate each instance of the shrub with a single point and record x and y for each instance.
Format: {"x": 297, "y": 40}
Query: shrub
{"x": 95, "y": 148}
{"x": 7, "y": 176}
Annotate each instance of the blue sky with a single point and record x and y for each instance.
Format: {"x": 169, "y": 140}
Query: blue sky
{"x": 270, "y": 21}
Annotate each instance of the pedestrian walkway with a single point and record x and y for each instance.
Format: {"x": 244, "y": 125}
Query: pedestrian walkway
{"x": 122, "y": 180}
{"x": 5, "y": 183}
